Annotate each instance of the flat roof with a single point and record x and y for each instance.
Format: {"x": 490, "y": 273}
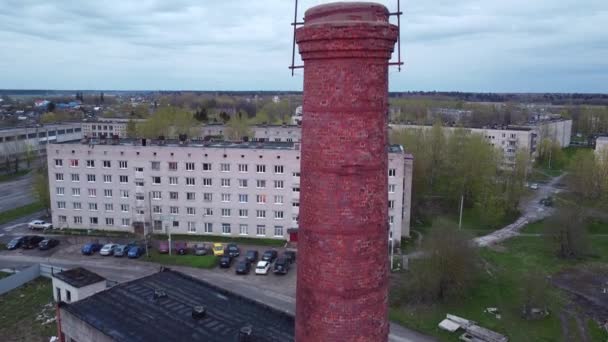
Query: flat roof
{"x": 130, "y": 312}
{"x": 79, "y": 277}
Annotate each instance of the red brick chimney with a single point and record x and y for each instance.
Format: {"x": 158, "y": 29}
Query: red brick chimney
{"x": 342, "y": 284}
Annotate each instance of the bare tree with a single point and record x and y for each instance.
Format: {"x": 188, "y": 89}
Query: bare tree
{"x": 566, "y": 233}
{"x": 41, "y": 188}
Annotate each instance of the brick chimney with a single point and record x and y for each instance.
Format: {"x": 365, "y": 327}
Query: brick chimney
{"x": 342, "y": 284}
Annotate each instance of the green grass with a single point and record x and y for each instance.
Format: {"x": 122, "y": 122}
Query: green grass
{"x": 91, "y": 232}
{"x": 534, "y": 227}
{"x": 596, "y": 333}
{"x": 593, "y": 227}
{"x": 10, "y": 176}
{"x": 20, "y": 307}
{"x": 205, "y": 261}
{"x": 13, "y": 214}
{"x": 5, "y": 274}
{"x": 501, "y": 285}
{"x": 224, "y": 239}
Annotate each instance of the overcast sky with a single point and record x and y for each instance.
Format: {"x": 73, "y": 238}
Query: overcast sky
{"x": 463, "y": 45}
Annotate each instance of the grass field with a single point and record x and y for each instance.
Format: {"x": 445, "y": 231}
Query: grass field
{"x": 224, "y": 239}
{"x": 205, "y": 261}
{"x": 501, "y": 285}
{"x": 13, "y": 214}
{"x": 91, "y": 232}
{"x": 593, "y": 227}
{"x": 20, "y": 308}
{"x": 4, "y": 274}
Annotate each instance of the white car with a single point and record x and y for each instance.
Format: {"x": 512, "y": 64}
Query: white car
{"x": 534, "y": 186}
{"x": 39, "y": 224}
{"x": 108, "y": 249}
{"x": 262, "y": 268}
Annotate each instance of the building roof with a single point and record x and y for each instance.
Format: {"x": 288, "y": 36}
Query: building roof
{"x": 79, "y": 277}
{"x": 130, "y": 312}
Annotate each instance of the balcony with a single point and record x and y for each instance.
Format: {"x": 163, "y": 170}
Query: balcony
{"x": 139, "y": 175}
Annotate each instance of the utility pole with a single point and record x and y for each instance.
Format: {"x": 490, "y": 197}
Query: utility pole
{"x": 147, "y": 235}
{"x": 461, "y": 205}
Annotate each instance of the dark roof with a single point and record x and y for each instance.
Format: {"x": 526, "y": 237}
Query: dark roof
{"x": 129, "y": 312}
{"x": 79, "y": 277}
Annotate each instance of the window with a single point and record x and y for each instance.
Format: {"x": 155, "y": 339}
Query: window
{"x": 225, "y": 212}
{"x": 261, "y": 199}
{"x": 59, "y": 177}
{"x": 278, "y": 169}
{"x": 124, "y": 179}
{"x": 139, "y": 197}
{"x": 190, "y": 211}
{"x": 75, "y": 177}
{"x": 208, "y": 227}
{"x": 68, "y": 296}
{"x": 107, "y": 164}
{"x": 172, "y": 166}
{"x": 92, "y": 192}
{"x": 278, "y": 184}
{"x": 207, "y": 182}
{"x": 62, "y": 219}
{"x": 77, "y": 219}
{"x": 225, "y": 228}
{"x": 108, "y": 207}
{"x": 58, "y": 162}
{"x": 191, "y": 227}
{"x": 189, "y": 166}
{"x": 156, "y": 195}
{"x": 278, "y": 230}
{"x": 225, "y": 182}
{"x": 242, "y": 183}
{"x": 91, "y": 178}
{"x": 244, "y": 213}
{"x": 173, "y": 195}
{"x": 155, "y": 165}
{"x": 296, "y": 174}
{"x": 93, "y": 206}
{"x": 260, "y": 184}
{"x": 124, "y": 193}
{"x": 122, "y": 164}
{"x": 208, "y": 212}
{"x": 190, "y": 196}
{"x": 174, "y": 210}
{"x": 93, "y": 220}
{"x": 260, "y": 213}
{"x": 172, "y": 180}
{"x": 391, "y": 188}
{"x": 175, "y": 224}
{"x": 260, "y": 168}
{"x": 225, "y": 197}
{"x": 124, "y": 208}
{"x": 107, "y": 178}
{"x": 109, "y": 221}
{"x": 77, "y": 206}
{"x": 243, "y": 198}
{"x": 207, "y": 197}
{"x": 295, "y": 204}
{"x": 225, "y": 167}
{"x": 242, "y": 167}
{"x": 75, "y": 191}
{"x": 278, "y": 214}
{"x": 73, "y": 162}
{"x": 260, "y": 229}
{"x": 190, "y": 181}
{"x": 90, "y": 163}
{"x": 296, "y": 189}
{"x": 60, "y": 191}
{"x": 158, "y": 225}
{"x": 61, "y": 204}
{"x": 206, "y": 167}
{"x": 243, "y": 229}
{"x": 392, "y": 172}
{"x": 278, "y": 199}
{"x": 391, "y": 219}
{"x": 126, "y": 222}
{"x": 155, "y": 180}
{"x": 157, "y": 209}
{"x": 391, "y": 204}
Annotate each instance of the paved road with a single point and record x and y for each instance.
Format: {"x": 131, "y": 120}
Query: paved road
{"x": 18, "y": 227}
{"x": 16, "y": 193}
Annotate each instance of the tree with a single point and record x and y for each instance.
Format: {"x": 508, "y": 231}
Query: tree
{"x": 131, "y": 129}
{"x": 566, "y": 233}
{"x": 41, "y": 188}
{"x": 50, "y": 107}
{"x": 168, "y": 122}
{"x": 225, "y": 117}
{"x": 238, "y": 127}
{"x": 201, "y": 114}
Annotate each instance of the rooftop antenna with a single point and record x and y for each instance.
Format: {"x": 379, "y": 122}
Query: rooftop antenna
{"x": 297, "y": 23}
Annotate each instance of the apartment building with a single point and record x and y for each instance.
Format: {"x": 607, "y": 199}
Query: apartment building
{"x": 107, "y": 127}
{"x": 601, "y": 147}
{"x": 17, "y": 141}
{"x": 194, "y": 187}
{"x": 289, "y": 133}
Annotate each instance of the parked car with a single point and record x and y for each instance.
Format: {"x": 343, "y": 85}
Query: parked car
{"x": 281, "y": 266}
{"x": 290, "y": 256}
{"x": 218, "y": 249}
{"x": 31, "y": 241}
{"x": 121, "y": 250}
{"x": 534, "y": 186}
{"x": 233, "y": 250}
{"x": 181, "y": 248}
{"x": 47, "y": 244}
{"x": 15, "y": 243}
{"x": 200, "y": 249}
{"x": 547, "y": 201}
{"x": 243, "y": 266}
{"x": 225, "y": 261}
{"x": 163, "y": 247}
{"x": 252, "y": 256}
{"x": 108, "y": 249}
{"x": 269, "y": 255}
{"x": 91, "y": 248}
{"x": 262, "y": 267}
{"x": 39, "y": 224}
{"x": 135, "y": 252}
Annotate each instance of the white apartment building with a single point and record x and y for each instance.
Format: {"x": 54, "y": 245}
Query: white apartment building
{"x": 107, "y": 127}
{"x": 17, "y": 140}
{"x": 195, "y": 187}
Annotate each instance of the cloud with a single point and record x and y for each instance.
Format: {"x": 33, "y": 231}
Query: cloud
{"x": 469, "y": 45}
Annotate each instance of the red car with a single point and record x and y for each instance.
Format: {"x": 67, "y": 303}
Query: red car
{"x": 163, "y": 247}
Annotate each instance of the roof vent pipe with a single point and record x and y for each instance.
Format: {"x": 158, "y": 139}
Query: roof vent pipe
{"x": 199, "y": 312}
{"x": 245, "y": 333}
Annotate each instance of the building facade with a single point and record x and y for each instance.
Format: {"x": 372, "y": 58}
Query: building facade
{"x": 216, "y": 188}
{"x": 289, "y": 133}
{"x": 107, "y": 127}
{"x": 601, "y": 147}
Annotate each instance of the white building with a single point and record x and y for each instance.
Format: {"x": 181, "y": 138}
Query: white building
{"x": 219, "y": 188}
{"x": 107, "y": 127}
{"x": 289, "y": 133}
{"x": 601, "y": 147}
{"x": 76, "y": 284}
